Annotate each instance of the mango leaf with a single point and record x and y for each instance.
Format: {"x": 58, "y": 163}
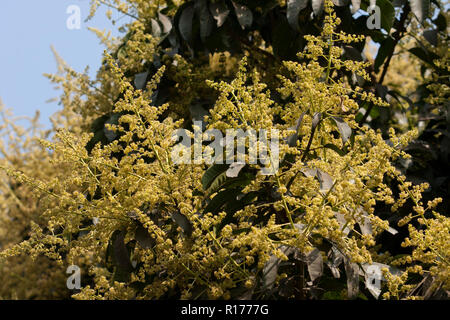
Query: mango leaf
{"x": 206, "y": 20}
{"x": 198, "y": 112}
{"x": 335, "y": 148}
{"x": 317, "y": 6}
{"x": 364, "y": 222}
{"x": 344, "y": 128}
{"x": 421, "y": 8}
{"x": 234, "y": 169}
{"x": 165, "y": 22}
{"x": 352, "y": 53}
{"x": 335, "y": 259}
{"x": 156, "y": 28}
{"x": 282, "y": 35}
{"x": 373, "y": 276}
{"x": 340, "y": 3}
{"x": 242, "y": 293}
{"x": 342, "y": 222}
{"x": 109, "y": 134}
{"x": 431, "y": 36}
{"x": 239, "y": 182}
{"x": 382, "y": 91}
{"x": 219, "y": 11}
{"x": 386, "y": 48}
{"x": 243, "y": 14}
{"x": 121, "y": 256}
{"x": 398, "y": 3}
{"x": 292, "y": 139}
{"x": 183, "y": 222}
{"x": 440, "y": 22}
{"x": 221, "y": 199}
{"x": 316, "y": 119}
{"x": 140, "y": 80}
{"x": 212, "y": 173}
{"x": 387, "y": 14}
{"x": 270, "y": 270}
{"x": 325, "y": 180}
{"x": 356, "y": 4}
{"x": 314, "y": 261}
{"x": 293, "y": 9}
{"x": 185, "y": 23}
{"x": 424, "y": 55}
{"x": 143, "y": 238}
{"x": 218, "y": 183}
{"x": 352, "y": 273}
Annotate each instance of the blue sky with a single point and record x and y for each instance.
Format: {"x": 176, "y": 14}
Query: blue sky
{"x": 28, "y": 29}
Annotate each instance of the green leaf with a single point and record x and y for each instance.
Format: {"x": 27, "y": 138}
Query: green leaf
{"x": 431, "y": 36}
{"x": 335, "y": 259}
{"x": 387, "y": 14}
{"x": 198, "y": 112}
{"x": 109, "y": 134}
{"x": 140, "y": 80}
{"x": 292, "y": 140}
{"x": 398, "y": 3}
{"x": 143, "y": 238}
{"x": 352, "y": 53}
{"x": 183, "y": 222}
{"x": 212, "y": 173}
{"x": 343, "y": 128}
{"x": 270, "y": 270}
{"x": 440, "y": 22}
{"x": 375, "y": 112}
{"x": 293, "y": 9}
{"x": 283, "y": 35}
{"x": 218, "y": 183}
{"x": 334, "y": 295}
{"x": 221, "y": 199}
{"x": 219, "y": 11}
{"x": 335, "y": 149}
{"x": 206, "y": 20}
{"x": 381, "y": 91}
{"x": 185, "y": 23}
{"x": 424, "y": 55}
{"x": 243, "y": 14}
{"x": 240, "y": 181}
{"x": 421, "y": 8}
{"x": 121, "y": 257}
{"x": 386, "y": 48}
